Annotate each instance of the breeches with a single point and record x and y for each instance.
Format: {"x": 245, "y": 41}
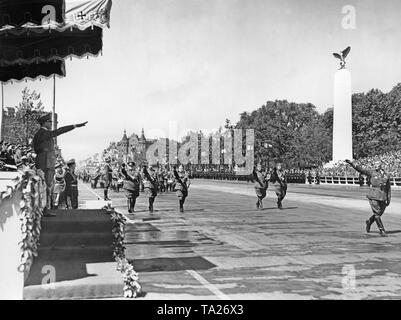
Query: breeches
{"x": 132, "y": 194}
{"x": 49, "y": 176}
{"x": 72, "y": 198}
{"x": 281, "y": 193}
{"x": 151, "y": 193}
{"x": 260, "y": 193}
{"x": 181, "y": 194}
{"x": 378, "y": 207}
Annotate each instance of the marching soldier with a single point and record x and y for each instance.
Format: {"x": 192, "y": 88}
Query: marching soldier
{"x": 160, "y": 178}
{"x": 43, "y": 145}
{"x": 71, "y": 185}
{"x": 279, "y": 182}
{"x": 379, "y": 194}
{"x": 107, "y": 178}
{"x": 150, "y": 186}
{"x": 181, "y": 186}
{"x": 131, "y": 185}
{"x": 170, "y": 181}
{"x": 261, "y": 184}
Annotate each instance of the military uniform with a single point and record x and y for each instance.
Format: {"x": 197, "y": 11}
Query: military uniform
{"x": 181, "y": 186}
{"x": 43, "y": 145}
{"x": 161, "y": 180}
{"x": 71, "y": 187}
{"x": 59, "y": 188}
{"x": 131, "y": 186}
{"x": 261, "y": 185}
{"x": 170, "y": 181}
{"x": 379, "y": 195}
{"x": 279, "y": 182}
{"x": 107, "y": 179}
{"x": 150, "y": 187}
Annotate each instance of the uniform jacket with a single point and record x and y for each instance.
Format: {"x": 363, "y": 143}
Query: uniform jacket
{"x": 59, "y": 182}
{"x": 279, "y": 179}
{"x": 107, "y": 173}
{"x": 131, "y": 180}
{"x": 380, "y": 189}
{"x": 181, "y": 181}
{"x": 260, "y": 180}
{"x": 71, "y": 182}
{"x": 149, "y": 181}
{"x": 43, "y": 145}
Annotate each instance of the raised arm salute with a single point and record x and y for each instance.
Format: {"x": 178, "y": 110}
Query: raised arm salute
{"x": 379, "y": 194}
{"x": 150, "y": 186}
{"x": 43, "y": 145}
{"x": 181, "y": 185}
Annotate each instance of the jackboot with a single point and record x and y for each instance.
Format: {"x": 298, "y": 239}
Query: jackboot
{"x": 369, "y": 223}
{"x": 381, "y": 227}
{"x": 133, "y": 201}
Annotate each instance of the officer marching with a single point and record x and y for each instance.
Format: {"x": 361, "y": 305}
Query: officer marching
{"x": 379, "y": 194}
{"x": 150, "y": 186}
{"x": 278, "y": 179}
{"x": 131, "y": 185}
{"x": 43, "y": 145}
{"x": 261, "y": 184}
{"x": 181, "y": 186}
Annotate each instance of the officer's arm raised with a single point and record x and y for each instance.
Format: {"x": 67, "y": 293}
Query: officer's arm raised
{"x": 358, "y": 168}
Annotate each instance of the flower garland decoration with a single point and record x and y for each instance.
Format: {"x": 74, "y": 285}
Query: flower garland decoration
{"x": 32, "y": 204}
{"x": 132, "y": 288}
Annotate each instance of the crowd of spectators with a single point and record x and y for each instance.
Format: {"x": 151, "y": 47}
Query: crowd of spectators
{"x": 391, "y": 163}
{"x": 15, "y": 157}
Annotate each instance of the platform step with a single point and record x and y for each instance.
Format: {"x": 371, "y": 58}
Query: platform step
{"x": 68, "y": 239}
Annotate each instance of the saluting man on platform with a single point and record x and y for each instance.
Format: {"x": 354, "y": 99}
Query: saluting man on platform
{"x": 43, "y": 144}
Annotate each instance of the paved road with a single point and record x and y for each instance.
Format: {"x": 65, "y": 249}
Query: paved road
{"x": 223, "y": 248}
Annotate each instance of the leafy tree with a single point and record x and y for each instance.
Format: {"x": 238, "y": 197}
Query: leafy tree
{"x": 284, "y": 126}
{"x": 24, "y": 126}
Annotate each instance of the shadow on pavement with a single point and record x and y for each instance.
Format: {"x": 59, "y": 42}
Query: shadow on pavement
{"x": 171, "y": 264}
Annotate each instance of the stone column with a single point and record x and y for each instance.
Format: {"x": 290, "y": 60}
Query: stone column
{"x": 342, "y": 117}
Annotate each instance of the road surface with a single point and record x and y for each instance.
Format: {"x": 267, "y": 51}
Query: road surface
{"x": 223, "y": 248}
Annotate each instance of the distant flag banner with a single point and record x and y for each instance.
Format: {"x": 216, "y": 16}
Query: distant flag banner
{"x": 86, "y": 13}
{"x": 24, "y": 16}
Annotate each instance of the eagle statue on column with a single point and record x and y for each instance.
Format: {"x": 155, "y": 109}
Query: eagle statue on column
{"x": 341, "y": 56}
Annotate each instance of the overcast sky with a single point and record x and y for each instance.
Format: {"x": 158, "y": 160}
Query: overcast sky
{"x": 198, "y": 62}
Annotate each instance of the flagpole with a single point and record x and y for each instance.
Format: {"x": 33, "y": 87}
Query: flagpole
{"x": 54, "y": 103}
{"x": 2, "y": 110}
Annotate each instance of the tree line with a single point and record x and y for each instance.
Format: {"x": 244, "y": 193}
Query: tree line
{"x": 297, "y": 135}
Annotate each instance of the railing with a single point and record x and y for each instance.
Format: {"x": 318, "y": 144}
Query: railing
{"x": 294, "y": 178}
{"x": 395, "y": 182}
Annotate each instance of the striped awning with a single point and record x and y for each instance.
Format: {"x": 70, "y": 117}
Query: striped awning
{"x": 46, "y": 32}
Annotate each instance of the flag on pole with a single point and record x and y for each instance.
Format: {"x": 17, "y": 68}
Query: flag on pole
{"x": 86, "y": 13}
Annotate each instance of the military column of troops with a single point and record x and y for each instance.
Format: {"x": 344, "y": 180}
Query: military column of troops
{"x": 62, "y": 182}
{"x": 141, "y": 178}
